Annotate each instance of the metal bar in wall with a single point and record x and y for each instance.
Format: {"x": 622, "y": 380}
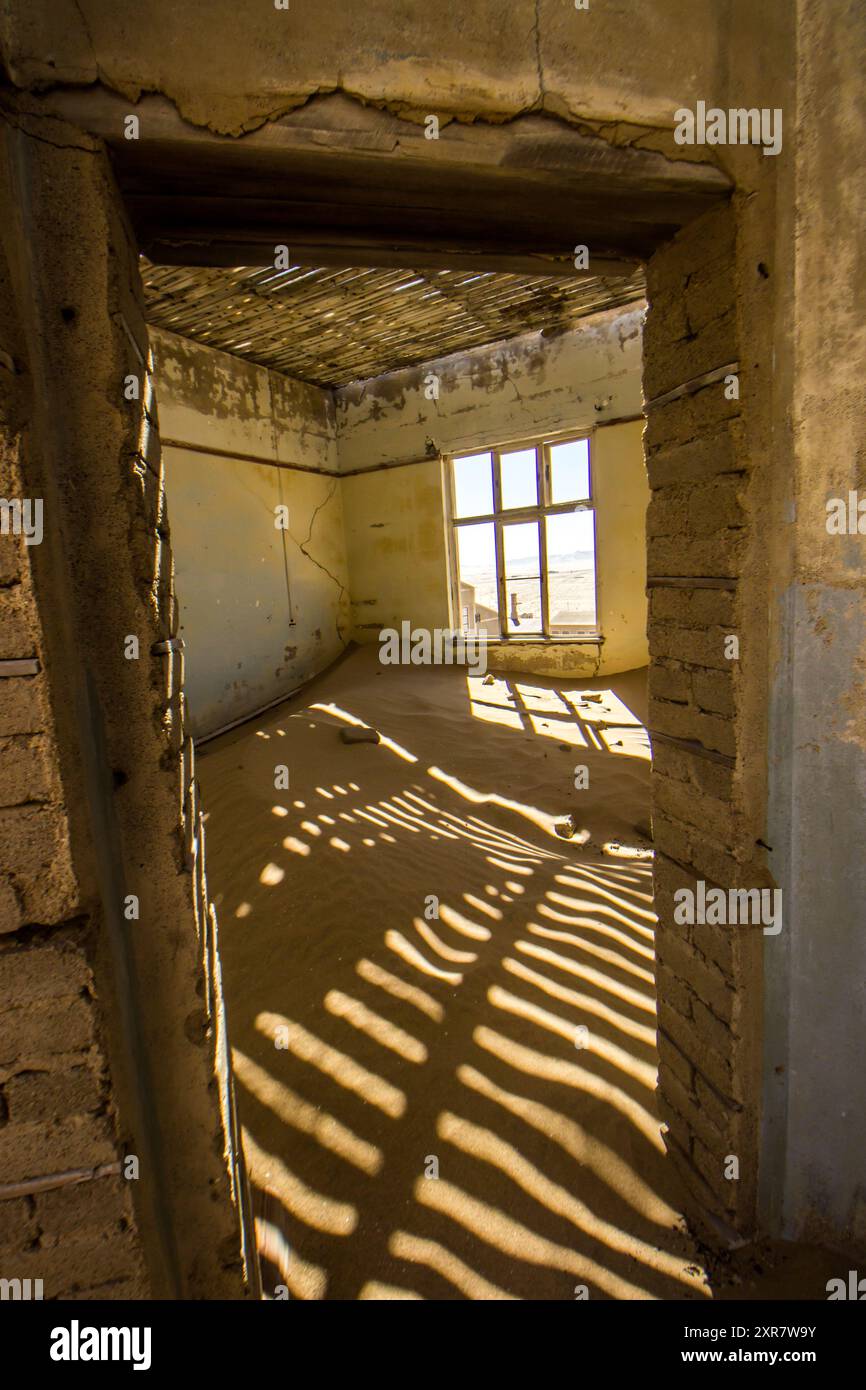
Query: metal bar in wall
{"x": 500, "y": 545}
{"x": 595, "y": 581}
{"x": 528, "y": 513}
{"x": 447, "y": 469}
{"x": 541, "y": 493}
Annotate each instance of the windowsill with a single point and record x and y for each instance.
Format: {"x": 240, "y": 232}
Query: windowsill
{"x": 587, "y": 639}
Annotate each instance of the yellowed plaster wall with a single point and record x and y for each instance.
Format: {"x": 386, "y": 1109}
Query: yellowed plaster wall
{"x": 396, "y": 549}
{"x": 258, "y": 617}
{"x": 621, "y": 496}
{"x": 396, "y": 533}
{"x": 369, "y": 550}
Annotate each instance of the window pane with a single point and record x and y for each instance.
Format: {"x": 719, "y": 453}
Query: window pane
{"x": 571, "y": 571}
{"x": 569, "y": 471}
{"x": 522, "y": 577}
{"x": 519, "y": 480}
{"x": 476, "y": 567}
{"x": 473, "y": 485}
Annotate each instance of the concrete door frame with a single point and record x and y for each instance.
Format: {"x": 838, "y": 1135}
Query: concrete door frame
{"x": 709, "y": 720}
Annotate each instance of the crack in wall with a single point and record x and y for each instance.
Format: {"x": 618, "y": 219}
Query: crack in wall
{"x": 536, "y": 38}
{"x": 302, "y": 547}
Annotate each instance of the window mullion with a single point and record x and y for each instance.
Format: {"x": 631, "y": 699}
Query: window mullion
{"x": 500, "y": 545}
{"x": 543, "y": 474}
{"x": 542, "y": 552}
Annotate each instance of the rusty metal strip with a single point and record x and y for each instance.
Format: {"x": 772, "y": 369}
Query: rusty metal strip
{"x": 30, "y": 1186}
{"x": 20, "y": 666}
{"x": 688, "y": 388}
{"x": 690, "y": 745}
{"x": 679, "y": 581}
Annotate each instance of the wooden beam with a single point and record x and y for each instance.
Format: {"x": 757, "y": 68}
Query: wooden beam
{"x": 351, "y": 183}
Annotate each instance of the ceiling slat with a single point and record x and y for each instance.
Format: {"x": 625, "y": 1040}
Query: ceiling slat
{"x": 331, "y": 326}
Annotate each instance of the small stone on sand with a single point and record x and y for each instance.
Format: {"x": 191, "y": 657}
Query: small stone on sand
{"x": 356, "y": 735}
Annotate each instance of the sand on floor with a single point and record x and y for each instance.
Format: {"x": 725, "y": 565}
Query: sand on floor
{"x": 441, "y": 1010}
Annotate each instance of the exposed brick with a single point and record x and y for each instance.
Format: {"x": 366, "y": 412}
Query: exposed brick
{"x": 10, "y": 908}
{"x": 677, "y": 1124}
{"x": 36, "y": 1149}
{"x": 673, "y": 990}
{"x": 704, "y": 1197}
{"x": 35, "y": 1095}
{"x": 685, "y": 802}
{"x": 689, "y": 417}
{"x": 677, "y": 1095}
{"x": 709, "y": 456}
{"x": 78, "y": 1265}
{"x": 17, "y": 1224}
{"x": 684, "y": 721}
{"x": 708, "y": 778}
{"x": 13, "y": 564}
{"x": 697, "y": 509}
{"x": 694, "y": 646}
{"x": 18, "y": 623}
{"x": 698, "y": 526}
{"x": 35, "y": 846}
{"x": 673, "y": 1060}
{"x": 26, "y": 771}
{"x": 713, "y": 862}
{"x": 693, "y": 608}
{"x": 677, "y": 1101}
{"x": 720, "y": 554}
{"x": 670, "y": 837}
{"x": 23, "y": 708}
{"x": 94, "y": 1206}
{"x": 717, "y": 944}
{"x": 28, "y": 1034}
{"x": 41, "y": 973}
{"x": 669, "y": 682}
{"x": 710, "y": 1163}
{"x": 716, "y": 1064}
{"x": 714, "y": 690}
{"x": 717, "y": 1034}
{"x": 705, "y": 980}
{"x": 710, "y": 860}
{"x": 708, "y": 240}
{"x": 720, "y": 1109}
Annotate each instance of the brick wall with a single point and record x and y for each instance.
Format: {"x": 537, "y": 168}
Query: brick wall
{"x": 113, "y": 1039}
{"x": 699, "y": 554}
{"x": 65, "y": 1211}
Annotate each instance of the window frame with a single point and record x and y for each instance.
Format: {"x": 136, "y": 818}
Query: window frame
{"x": 501, "y": 517}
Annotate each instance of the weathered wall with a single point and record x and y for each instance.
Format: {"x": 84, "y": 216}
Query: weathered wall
{"x": 396, "y": 548}
{"x": 698, "y": 559}
{"x": 375, "y": 540}
{"x": 116, "y": 997}
{"x": 56, "y": 1106}
{"x": 240, "y": 69}
{"x": 587, "y": 66}
{"x": 621, "y": 498}
{"x": 261, "y": 609}
{"x": 395, "y": 522}
{"x": 512, "y": 390}
{"x": 815, "y": 1124}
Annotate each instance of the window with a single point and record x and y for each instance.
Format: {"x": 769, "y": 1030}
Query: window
{"x": 524, "y": 540}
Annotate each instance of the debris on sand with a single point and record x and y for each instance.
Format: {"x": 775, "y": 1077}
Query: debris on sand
{"x": 566, "y": 829}
{"x": 360, "y": 735}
